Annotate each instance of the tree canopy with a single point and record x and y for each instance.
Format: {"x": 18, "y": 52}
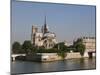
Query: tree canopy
{"x": 61, "y": 46}
{"x": 16, "y": 47}
{"x": 79, "y": 46}
{"x": 27, "y": 46}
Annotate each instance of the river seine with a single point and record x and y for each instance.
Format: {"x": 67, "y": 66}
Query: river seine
{"x": 66, "y": 65}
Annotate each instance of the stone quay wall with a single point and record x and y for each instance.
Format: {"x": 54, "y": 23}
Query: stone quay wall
{"x": 45, "y": 57}
{"x": 73, "y": 55}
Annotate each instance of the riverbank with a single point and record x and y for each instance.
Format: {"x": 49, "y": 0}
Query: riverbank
{"x": 48, "y": 57}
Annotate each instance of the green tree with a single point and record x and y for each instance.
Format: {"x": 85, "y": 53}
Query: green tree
{"x": 61, "y": 46}
{"x": 16, "y": 47}
{"x": 62, "y": 49}
{"x": 27, "y": 46}
{"x": 62, "y": 54}
{"x": 79, "y": 46}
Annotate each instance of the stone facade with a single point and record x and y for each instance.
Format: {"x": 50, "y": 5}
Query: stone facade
{"x": 44, "y": 38}
{"x": 73, "y": 55}
{"x": 90, "y": 43}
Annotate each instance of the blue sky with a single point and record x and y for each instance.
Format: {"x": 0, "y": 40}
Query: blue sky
{"x": 67, "y": 21}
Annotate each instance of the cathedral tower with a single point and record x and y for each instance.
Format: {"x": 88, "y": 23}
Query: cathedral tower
{"x": 34, "y": 30}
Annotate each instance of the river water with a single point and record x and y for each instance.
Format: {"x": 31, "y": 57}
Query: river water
{"x": 66, "y": 65}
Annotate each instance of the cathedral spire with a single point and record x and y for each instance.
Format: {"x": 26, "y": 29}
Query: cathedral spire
{"x": 45, "y": 26}
{"x": 45, "y": 21}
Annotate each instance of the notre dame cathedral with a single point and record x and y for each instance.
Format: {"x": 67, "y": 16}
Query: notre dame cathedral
{"x": 43, "y": 38}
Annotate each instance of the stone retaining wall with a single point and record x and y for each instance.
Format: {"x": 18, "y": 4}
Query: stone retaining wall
{"x": 73, "y": 55}
{"x": 44, "y": 57}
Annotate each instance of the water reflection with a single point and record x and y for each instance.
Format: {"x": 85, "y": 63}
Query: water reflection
{"x": 72, "y": 64}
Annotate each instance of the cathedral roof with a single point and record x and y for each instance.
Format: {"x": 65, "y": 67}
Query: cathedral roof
{"x": 49, "y": 34}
